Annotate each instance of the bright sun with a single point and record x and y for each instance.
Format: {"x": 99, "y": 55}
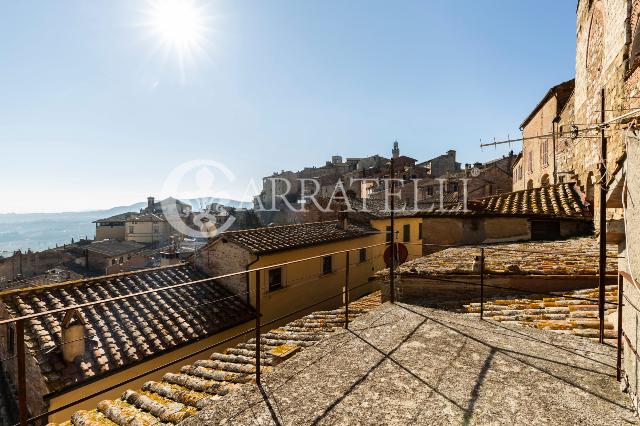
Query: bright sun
{"x": 180, "y": 23}
{"x": 179, "y": 29}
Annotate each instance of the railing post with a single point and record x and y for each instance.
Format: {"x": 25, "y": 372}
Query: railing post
{"x": 602, "y": 267}
{"x": 258, "y": 338}
{"x": 481, "y": 283}
{"x": 22, "y": 379}
{"x": 346, "y": 293}
{"x": 619, "y": 355}
{"x": 392, "y": 277}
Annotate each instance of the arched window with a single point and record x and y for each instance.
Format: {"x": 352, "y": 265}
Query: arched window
{"x": 544, "y": 180}
{"x": 530, "y": 184}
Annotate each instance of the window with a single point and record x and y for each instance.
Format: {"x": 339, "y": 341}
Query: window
{"x": 544, "y": 152}
{"x": 362, "y": 255}
{"x": 131, "y": 229}
{"x": 530, "y": 162}
{"x": 327, "y": 265}
{"x": 113, "y": 261}
{"x": 430, "y": 190}
{"x": 11, "y": 339}
{"x": 544, "y": 180}
{"x": 406, "y": 232}
{"x": 275, "y": 279}
{"x": 388, "y": 239}
{"x": 156, "y": 229}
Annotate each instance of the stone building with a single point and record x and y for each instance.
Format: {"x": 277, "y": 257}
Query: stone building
{"x": 482, "y": 180}
{"x": 537, "y": 167}
{"x": 442, "y": 164}
{"x": 106, "y": 253}
{"x": 606, "y": 74}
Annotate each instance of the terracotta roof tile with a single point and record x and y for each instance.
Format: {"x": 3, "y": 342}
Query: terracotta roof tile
{"x": 577, "y": 256}
{"x": 274, "y": 238}
{"x": 120, "y": 333}
{"x": 180, "y": 395}
{"x": 558, "y": 201}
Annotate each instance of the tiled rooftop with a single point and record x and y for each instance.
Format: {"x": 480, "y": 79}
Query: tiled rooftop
{"x": 123, "y": 332}
{"x": 114, "y": 247}
{"x": 147, "y": 217}
{"x": 122, "y": 217}
{"x": 180, "y": 395}
{"x": 577, "y": 256}
{"x": 561, "y": 314}
{"x": 274, "y": 238}
{"x": 557, "y": 200}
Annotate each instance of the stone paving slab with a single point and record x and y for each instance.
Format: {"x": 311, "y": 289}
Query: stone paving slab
{"x": 405, "y": 364}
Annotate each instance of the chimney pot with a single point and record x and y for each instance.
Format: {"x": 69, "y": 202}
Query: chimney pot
{"x": 73, "y": 339}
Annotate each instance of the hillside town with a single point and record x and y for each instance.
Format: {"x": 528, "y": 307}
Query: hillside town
{"x": 382, "y": 289}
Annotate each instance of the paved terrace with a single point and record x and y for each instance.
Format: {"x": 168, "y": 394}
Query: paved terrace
{"x": 405, "y": 364}
{"x": 191, "y": 388}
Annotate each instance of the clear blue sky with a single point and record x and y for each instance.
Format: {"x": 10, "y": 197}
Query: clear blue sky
{"x": 93, "y": 114}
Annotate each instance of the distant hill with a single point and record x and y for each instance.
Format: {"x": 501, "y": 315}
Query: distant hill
{"x": 39, "y": 231}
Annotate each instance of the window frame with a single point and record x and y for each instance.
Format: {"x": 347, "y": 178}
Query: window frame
{"x": 328, "y": 258}
{"x": 271, "y": 287}
{"x": 362, "y": 255}
{"x": 406, "y": 232}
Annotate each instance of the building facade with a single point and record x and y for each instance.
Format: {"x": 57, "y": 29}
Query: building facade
{"x": 538, "y": 166}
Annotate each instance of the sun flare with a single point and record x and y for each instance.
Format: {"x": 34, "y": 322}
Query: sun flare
{"x": 179, "y": 31}
{"x": 177, "y": 22}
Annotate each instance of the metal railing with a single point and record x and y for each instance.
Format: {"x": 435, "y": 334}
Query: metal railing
{"x": 601, "y": 276}
{"x": 21, "y": 350}
{"x": 259, "y": 325}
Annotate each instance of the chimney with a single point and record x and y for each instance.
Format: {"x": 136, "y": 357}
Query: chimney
{"x": 150, "y": 203}
{"x": 73, "y": 339}
{"x": 170, "y": 257}
{"x": 343, "y": 222}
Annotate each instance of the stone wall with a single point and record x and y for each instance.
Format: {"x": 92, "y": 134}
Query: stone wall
{"x": 474, "y": 230}
{"x": 30, "y": 264}
{"x": 602, "y": 42}
{"x": 604, "y": 38}
{"x": 110, "y": 232}
{"x": 221, "y": 258}
{"x": 36, "y": 387}
{"x": 630, "y": 263}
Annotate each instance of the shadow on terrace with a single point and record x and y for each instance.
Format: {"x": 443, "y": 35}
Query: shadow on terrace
{"x": 405, "y": 364}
